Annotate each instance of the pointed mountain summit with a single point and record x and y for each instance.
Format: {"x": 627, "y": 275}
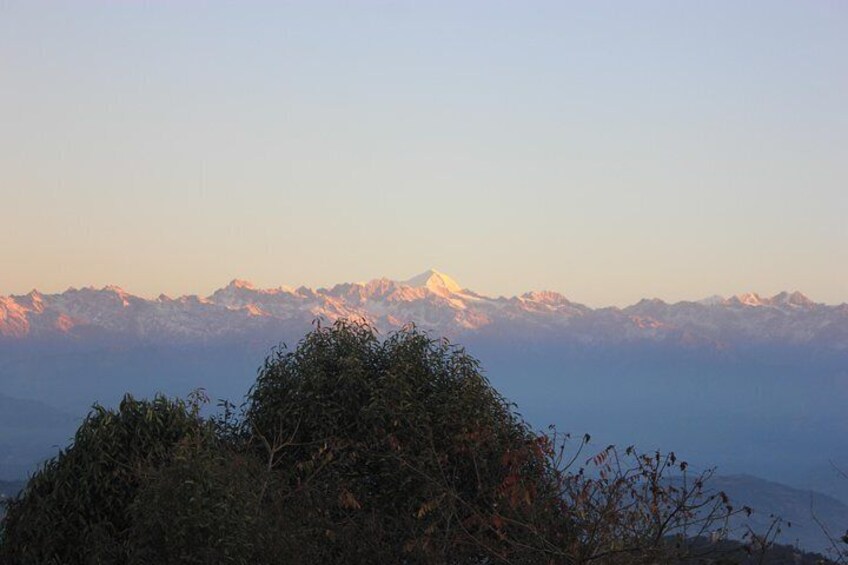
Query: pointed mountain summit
{"x": 748, "y": 299}
{"x": 784, "y": 299}
{"x": 241, "y": 283}
{"x": 435, "y": 281}
{"x": 796, "y": 299}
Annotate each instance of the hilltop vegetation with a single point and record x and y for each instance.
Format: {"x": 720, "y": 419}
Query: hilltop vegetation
{"x": 353, "y": 448}
{"x": 8, "y": 489}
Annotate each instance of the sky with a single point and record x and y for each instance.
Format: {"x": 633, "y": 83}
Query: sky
{"x": 607, "y": 150}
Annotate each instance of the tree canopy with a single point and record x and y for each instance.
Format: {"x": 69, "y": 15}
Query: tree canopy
{"x": 395, "y": 448}
{"x": 76, "y": 508}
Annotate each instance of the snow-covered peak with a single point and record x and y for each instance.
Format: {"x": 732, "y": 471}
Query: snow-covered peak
{"x": 783, "y": 299}
{"x": 241, "y": 283}
{"x": 435, "y": 281}
{"x": 796, "y": 299}
{"x": 749, "y": 299}
{"x": 545, "y": 297}
{"x": 118, "y": 291}
{"x": 32, "y": 301}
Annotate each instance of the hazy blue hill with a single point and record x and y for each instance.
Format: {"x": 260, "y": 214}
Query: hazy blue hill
{"x": 30, "y": 431}
{"x": 795, "y": 506}
{"x": 71, "y": 378}
{"x": 23, "y": 413}
{"x": 777, "y": 415}
{"x": 10, "y": 488}
{"x": 734, "y": 552}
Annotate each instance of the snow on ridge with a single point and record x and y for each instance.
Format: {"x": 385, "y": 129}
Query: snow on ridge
{"x": 432, "y": 300}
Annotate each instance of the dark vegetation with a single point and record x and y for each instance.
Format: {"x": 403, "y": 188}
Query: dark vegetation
{"x": 8, "y": 489}
{"x": 355, "y": 449}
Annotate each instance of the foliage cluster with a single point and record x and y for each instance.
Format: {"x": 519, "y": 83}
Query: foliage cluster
{"x": 354, "y": 449}
{"x": 76, "y": 509}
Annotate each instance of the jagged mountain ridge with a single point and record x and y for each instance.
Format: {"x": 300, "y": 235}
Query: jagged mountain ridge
{"x": 431, "y": 300}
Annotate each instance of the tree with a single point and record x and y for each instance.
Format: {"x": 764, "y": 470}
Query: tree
{"x": 75, "y": 509}
{"x": 396, "y": 450}
{"x": 202, "y": 507}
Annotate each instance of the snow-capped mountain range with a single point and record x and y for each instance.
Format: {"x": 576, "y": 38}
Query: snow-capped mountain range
{"x": 431, "y": 300}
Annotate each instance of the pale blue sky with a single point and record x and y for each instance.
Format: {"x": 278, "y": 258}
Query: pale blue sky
{"x": 606, "y": 150}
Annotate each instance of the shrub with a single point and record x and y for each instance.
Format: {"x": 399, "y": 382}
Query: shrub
{"x": 395, "y": 450}
{"x": 75, "y": 509}
{"x": 201, "y": 508}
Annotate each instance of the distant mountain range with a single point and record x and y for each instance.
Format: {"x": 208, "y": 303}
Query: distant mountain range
{"x": 432, "y": 300}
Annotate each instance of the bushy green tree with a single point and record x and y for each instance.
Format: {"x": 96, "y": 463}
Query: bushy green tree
{"x": 395, "y": 450}
{"x": 75, "y": 509}
{"x": 203, "y": 507}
